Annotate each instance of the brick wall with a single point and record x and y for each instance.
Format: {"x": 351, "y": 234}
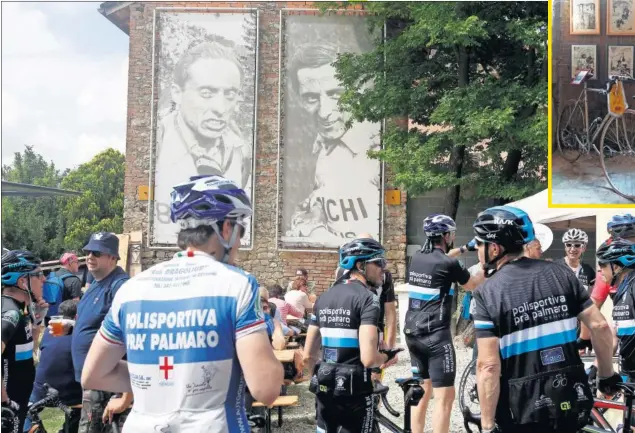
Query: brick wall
{"x": 265, "y": 261}
{"x": 561, "y": 58}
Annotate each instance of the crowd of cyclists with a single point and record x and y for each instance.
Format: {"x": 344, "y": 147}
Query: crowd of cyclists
{"x": 184, "y": 341}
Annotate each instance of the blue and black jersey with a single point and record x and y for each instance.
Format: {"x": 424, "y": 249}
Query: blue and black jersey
{"x": 624, "y": 319}
{"x": 339, "y": 313}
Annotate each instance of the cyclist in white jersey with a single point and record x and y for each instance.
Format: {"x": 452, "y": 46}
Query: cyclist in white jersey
{"x": 190, "y": 326}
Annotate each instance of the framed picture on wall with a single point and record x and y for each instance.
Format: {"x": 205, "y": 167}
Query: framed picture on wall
{"x": 620, "y": 60}
{"x": 583, "y": 57}
{"x": 584, "y": 17}
{"x": 620, "y": 17}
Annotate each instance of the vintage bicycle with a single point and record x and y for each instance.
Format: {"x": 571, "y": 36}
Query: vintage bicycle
{"x": 577, "y": 134}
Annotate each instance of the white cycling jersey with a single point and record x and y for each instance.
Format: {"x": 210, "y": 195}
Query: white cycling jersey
{"x": 180, "y": 321}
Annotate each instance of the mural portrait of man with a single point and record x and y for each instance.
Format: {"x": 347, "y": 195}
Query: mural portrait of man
{"x": 202, "y": 133}
{"x": 344, "y": 194}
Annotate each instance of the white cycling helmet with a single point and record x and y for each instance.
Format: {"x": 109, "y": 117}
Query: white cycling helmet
{"x": 575, "y": 235}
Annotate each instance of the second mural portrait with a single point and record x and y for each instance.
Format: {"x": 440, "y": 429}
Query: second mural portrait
{"x": 329, "y": 189}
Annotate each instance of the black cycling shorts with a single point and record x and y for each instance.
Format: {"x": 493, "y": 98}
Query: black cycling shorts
{"x": 345, "y": 414}
{"x": 432, "y": 357}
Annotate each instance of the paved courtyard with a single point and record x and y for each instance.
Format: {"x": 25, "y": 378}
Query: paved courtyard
{"x": 583, "y": 182}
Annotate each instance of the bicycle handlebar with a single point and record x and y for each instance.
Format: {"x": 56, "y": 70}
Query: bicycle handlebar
{"x": 51, "y": 400}
{"x": 393, "y": 412}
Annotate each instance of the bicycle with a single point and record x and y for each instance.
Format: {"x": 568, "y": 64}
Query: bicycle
{"x": 577, "y": 134}
{"x": 413, "y": 393}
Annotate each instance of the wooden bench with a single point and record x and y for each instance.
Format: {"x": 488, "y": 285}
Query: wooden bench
{"x": 292, "y": 345}
{"x": 282, "y": 401}
{"x": 284, "y": 356}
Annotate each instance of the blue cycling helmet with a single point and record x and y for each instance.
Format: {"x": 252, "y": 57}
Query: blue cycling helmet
{"x": 507, "y": 226}
{"x": 621, "y": 226}
{"x": 617, "y": 251}
{"x": 437, "y": 225}
{"x": 208, "y": 200}
{"x": 359, "y": 250}
{"x": 16, "y": 264}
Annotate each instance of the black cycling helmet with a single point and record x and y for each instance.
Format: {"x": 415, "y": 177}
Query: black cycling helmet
{"x": 359, "y": 250}
{"x": 16, "y": 264}
{"x": 506, "y": 226}
{"x": 617, "y": 252}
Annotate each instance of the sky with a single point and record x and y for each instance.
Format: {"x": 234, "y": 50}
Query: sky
{"x": 64, "y": 81}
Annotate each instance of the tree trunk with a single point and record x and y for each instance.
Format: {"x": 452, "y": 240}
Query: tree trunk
{"x": 457, "y": 159}
{"x": 512, "y": 163}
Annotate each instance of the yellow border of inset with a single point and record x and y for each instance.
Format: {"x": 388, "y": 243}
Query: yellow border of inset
{"x": 550, "y": 127}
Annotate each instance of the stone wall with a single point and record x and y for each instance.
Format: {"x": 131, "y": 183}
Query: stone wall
{"x": 264, "y": 260}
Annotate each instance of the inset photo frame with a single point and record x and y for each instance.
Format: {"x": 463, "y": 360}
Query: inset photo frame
{"x": 620, "y": 60}
{"x": 620, "y": 17}
{"x": 584, "y": 17}
{"x": 584, "y": 57}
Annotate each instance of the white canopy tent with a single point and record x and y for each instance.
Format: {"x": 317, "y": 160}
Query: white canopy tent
{"x": 537, "y": 207}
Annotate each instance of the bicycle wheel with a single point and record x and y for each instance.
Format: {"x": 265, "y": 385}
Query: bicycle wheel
{"x": 468, "y": 396}
{"x": 617, "y": 154}
{"x": 571, "y": 131}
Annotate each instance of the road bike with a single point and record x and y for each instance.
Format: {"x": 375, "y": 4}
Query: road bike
{"x": 577, "y": 134}
{"x": 413, "y": 393}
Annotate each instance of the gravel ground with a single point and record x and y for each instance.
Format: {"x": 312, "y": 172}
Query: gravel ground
{"x": 301, "y": 418}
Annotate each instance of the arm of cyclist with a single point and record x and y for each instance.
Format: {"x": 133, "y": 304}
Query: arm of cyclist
{"x": 368, "y": 338}
{"x": 103, "y": 368}
{"x": 390, "y": 313}
{"x": 311, "y": 346}
{"x": 488, "y": 361}
{"x": 488, "y": 370}
{"x": 5, "y": 396}
{"x": 117, "y": 405}
{"x": 277, "y": 340}
{"x": 601, "y": 338}
{"x": 470, "y": 246}
{"x": 262, "y": 370}
{"x": 10, "y": 320}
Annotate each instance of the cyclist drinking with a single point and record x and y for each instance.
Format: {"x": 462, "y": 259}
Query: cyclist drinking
{"x": 616, "y": 258}
{"x": 190, "y": 326}
{"x": 432, "y": 272}
{"x": 529, "y": 374}
{"x": 22, "y": 280}
{"x": 346, "y": 318}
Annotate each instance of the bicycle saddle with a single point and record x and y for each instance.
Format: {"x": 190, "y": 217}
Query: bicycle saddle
{"x": 407, "y": 381}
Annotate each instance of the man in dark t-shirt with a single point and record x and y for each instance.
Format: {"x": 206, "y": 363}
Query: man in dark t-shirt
{"x": 72, "y": 283}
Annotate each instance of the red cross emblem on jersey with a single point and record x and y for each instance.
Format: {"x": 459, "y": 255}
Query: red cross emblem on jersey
{"x": 166, "y": 365}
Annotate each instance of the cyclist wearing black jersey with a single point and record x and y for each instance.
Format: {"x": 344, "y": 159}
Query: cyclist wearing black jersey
{"x": 345, "y": 317}
{"x": 616, "y": 258}
{"x": 529, "y": 375}
{"x": 22, "y": 280}
{"x": 432, "y": 272}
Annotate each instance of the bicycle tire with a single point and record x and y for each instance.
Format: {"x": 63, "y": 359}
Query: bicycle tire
{"x": 463, "y": 391}
{"x": 563, "y": 134}
{"x": 618, "y": 125}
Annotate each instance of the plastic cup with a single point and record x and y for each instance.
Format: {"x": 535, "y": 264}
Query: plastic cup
{"x": 57, "y": 326}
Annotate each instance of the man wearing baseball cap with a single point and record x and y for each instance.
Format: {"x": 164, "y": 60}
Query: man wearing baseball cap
{"x": 102, "y": 252}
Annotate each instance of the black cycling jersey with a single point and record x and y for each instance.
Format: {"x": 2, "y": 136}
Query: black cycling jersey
{"x": 585, "y": 273}
{"x": 339, "y": 313}
{"x": 532, "y": 307}
{"x": 18, "y": 370}
{"x": 624, "y": 319}
{"x": 430, "y": 280}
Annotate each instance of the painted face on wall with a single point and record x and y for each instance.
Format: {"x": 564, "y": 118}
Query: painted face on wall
{"x": 209, "y": 97}
{"x": 320, "y": 92}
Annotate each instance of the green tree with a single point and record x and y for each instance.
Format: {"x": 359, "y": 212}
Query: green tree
{"x": 32, "y": 223}
{"x": 100, "y": 207}
{"x": 476, "y": 68}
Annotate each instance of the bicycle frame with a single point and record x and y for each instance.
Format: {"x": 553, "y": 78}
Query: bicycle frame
{"x": 587, "y": 126}
{"x": 413, "y": 393}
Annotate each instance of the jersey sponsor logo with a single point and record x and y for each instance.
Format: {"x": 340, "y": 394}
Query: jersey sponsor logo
{"x": 552, "y": 356}
{"x": 330, "y": 354}
{"x": 11, "y": 316}
{"x": 419, "y": 278}
{"x": 204, "y": 383}
{"x": 415, "y": 303}
{"x": 166, "y": 366}
{"x": 543, "y": 401}
{"x": 552, "y": 307}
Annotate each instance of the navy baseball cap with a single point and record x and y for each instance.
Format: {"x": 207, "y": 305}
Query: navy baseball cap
{"x": 104, "y": 242}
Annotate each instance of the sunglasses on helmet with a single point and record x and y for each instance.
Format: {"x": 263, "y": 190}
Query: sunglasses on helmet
{"x": 36, "y": 274}
{"x": 379, "y": 261}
